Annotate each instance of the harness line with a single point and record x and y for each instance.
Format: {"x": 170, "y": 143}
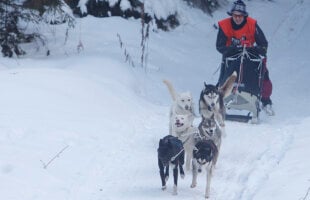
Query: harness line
{"x": 174, "y": 157}
{"x": 241, "y": 68}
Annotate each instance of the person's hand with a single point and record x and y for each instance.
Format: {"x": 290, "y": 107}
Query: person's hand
{"x": 252, "y": 50}
{"x": 261, "y": 50}
{"x": 232, "y": 50}
{"x": 257, "y": 50}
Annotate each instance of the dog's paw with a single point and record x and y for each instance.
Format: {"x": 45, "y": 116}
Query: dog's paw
{"x": 175, "y": 190}
{"x": 163, "y": 187}
{"x": 254, "y": 120}
{"x": 166, "y": 178}
{"x": 193, "y": 185}
{"x": 182, "y": 176}
{"x": 223, "y": 133}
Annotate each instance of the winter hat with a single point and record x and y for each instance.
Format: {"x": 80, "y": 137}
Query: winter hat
{"x": 238, "y": 6}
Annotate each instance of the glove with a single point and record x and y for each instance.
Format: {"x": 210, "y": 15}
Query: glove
{"x": 232, "y": 50}
{"x": 252, "y": 50}
{"x": 261, "y": 50}
{"x": 258, "y": 50}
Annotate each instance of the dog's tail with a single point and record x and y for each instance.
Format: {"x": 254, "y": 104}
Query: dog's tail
{"x": 227, "y": 87}
{"x": 171, "y": 89}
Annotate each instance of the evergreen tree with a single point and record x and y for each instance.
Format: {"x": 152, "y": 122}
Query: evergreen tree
{"x": 133, "y": 8}
{"x": 52, "y": 11}
{"x": 58, "y": 12}
{"x": 12, "y": 34}
{"x": 207, "y": 6}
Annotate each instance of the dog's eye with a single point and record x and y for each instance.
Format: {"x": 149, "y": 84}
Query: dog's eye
{"x": 182, "y": 100}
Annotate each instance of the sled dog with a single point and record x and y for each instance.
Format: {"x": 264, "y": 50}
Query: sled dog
{"x": 211, "y": 99}
{"x": 170, "y": 152}
{"x": 185, "y": 131}
{"x": 204, "y": 156}
{"x": 209, "y": 130}
{"x": 182, "y": 104}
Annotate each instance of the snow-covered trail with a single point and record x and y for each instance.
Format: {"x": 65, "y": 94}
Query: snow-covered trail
{"x": 242, "y": 171}
{"x": 245, "y": 170}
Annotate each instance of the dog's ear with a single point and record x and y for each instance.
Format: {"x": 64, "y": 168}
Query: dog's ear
{"x": 205, "y": 84}
{"x": 168, "y": 143}
{"x": 161, "y": 142}
{"x": 188, "y": 94}
{"x": 227, "y": 87}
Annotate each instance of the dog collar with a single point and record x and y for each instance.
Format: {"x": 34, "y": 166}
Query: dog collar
{"x": 201, "y": 163}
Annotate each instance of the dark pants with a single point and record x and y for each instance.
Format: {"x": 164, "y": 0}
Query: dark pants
{"x": 266, "y": 89}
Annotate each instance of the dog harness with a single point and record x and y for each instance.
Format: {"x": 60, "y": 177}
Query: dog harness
{"x": 174, "y": 157}
{"x": 201, "y": 146}
{"x": 203, "y": 136}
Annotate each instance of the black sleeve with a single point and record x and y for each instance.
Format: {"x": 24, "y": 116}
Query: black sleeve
{"x": 221, "y": 41}
{"x": 221, "y": 45}
{"x": 260, "y": 39}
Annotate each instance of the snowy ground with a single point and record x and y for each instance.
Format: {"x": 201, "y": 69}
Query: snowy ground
{"x": 105, "y": 118}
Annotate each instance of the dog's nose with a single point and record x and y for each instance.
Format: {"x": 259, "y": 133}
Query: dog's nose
{"x": 186, "y": 107}
{"x": 212, "y": 104}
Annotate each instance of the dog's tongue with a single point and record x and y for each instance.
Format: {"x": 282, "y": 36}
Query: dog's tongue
{"x": 178, "y": 124}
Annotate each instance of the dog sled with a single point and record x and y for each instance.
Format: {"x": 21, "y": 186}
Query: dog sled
{"x": 243, "y": 104}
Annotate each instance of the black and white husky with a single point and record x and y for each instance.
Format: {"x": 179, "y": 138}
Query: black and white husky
{"x": 209, "y": 130}
{"x": 211, "y": 101}
{"x": 204, "y": 155}
{"x": 170, "y": 152}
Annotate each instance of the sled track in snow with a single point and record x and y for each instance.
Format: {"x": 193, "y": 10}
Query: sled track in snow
{"x": 246, "y": 174}
{"x": 265, "y": 163}
{"x": 293, "y": 24}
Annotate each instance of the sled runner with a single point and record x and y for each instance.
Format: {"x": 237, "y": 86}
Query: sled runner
{"x": 243, "y": 104}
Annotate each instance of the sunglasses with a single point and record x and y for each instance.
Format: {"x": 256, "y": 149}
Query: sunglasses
{"x": 237, "y": 16}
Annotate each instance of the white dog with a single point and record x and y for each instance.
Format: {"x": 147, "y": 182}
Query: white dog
{"x": 185, "y": 132}
{"x": 182, "y": 105}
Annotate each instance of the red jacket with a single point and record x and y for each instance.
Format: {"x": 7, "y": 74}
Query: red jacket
{"x": 245, "y": 34}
